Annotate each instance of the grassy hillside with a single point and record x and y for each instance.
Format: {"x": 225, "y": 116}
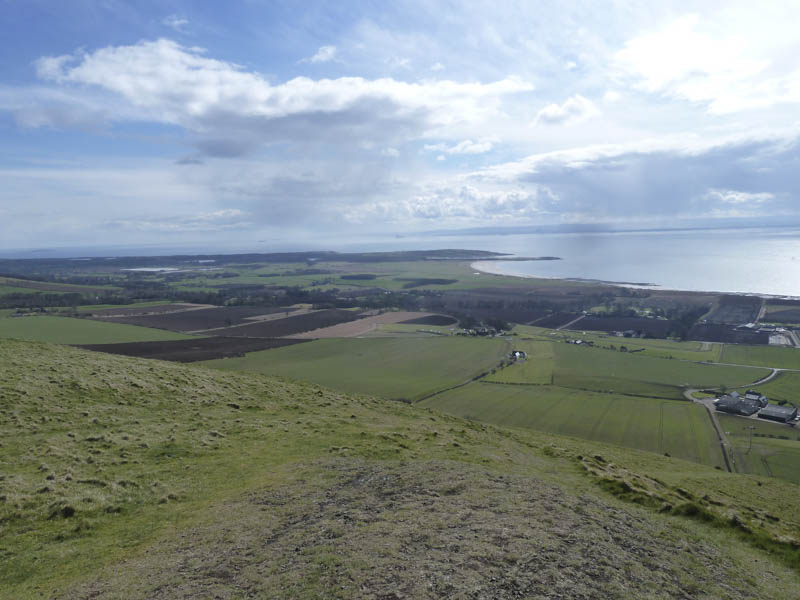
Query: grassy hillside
{"x": 126, "y": 478}
{"x": 773, "y": 450}
{"x": 67, "y": 330}
{"x": 388, "y": 367}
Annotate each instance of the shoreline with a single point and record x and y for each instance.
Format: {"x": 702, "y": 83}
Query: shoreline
{"x": 476, "y": 266}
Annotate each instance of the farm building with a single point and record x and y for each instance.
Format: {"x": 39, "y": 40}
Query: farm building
{"x": 736, "y": 405}
{"x": 782, "y": 414}
{"x": 757, "y": 396}
{"x": 518, "y": 354}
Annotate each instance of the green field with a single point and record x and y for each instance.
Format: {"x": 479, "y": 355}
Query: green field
{"x": 678, "y": 428}
{"x": 672, "y": 349}
{"x": 536, "y": 368}
{"x": 762, "y": 356}
{"x": 775, "y": 450}
{"x": 67, "y": 330}
{"x": 786, "y": 386}
{"x": 10, "y": 289}
{"x": 599, "y": 369}
{"x": 407, "y": 368}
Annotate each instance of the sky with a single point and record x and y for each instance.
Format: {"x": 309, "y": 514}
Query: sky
{"x": 252, "y": 122}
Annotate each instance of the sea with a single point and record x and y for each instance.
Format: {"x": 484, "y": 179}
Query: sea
{"x": 762, "y": 261}
{"x": 750, "y": 261}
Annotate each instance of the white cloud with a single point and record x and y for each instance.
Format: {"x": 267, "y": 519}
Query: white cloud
{"x": 734, "y": 197}
{"x": 465, "y": 147}
{"x": 175, "y": 22}
{"x": 729, "y": 71}
{"x": 574, "y": 110}
{"x": 323, "y": 55}
{"x": 465, "y": 203}
{"x": 437, "y": 66}
{"x": 166, "y": 82}
{"x": 219, "y": 220}
{"x": 390, "y": 152}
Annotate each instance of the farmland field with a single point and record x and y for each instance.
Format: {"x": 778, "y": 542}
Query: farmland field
{"x": 143, "y": 308}
{"x": 775, "y": 451}
{"x": 762, "y": 356}
{"x": 622, "y": 372}
{"x": 408, "y": 368}
{"x": 654, "y": 327}
{"x": 45, "y": 286}
{"x": 782, "y": 314}
{"x": 202, "y": 319}
{"x": 66, "y": 330}
{"x": 786, "y": 386}
{"x": 678, "y": 428}
{"x": 291, "y": 325}
{"x": 191, "y": 350}
{"x": 365, "y": 325}
{"x": 688, "y": 350}
{"x": 536, "y": 368}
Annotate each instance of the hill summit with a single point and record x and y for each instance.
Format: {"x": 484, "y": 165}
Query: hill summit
{"x": 129, "y": 478}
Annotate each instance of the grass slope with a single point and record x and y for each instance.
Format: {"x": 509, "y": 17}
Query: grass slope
{"x": 773, "y": 452}
{"x": 125, "y": 478}
{"x": 389, "y": 367}
{"x": 678, "y": 428}
{"x": 67, "y": 330}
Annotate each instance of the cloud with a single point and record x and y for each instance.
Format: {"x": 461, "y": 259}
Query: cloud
{"x": 574, "y": 110}
{"x": 465, "y": 147}
{"x": 660, "y": 179}
{"x": 220, "y": 220}
{"x": 729, "y": 73}
{"x": 175, "y": 22}
{"x": 464, "y": 203}
{"x": 165, "y": 82}
{"x": 437, "y": 66}
{"x": 323, "y": 55}
{"x": 735, "y": 197}
{"x": 390, "y": 152}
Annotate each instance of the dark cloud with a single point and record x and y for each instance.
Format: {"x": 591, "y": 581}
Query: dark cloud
{"x": 664, "y": 183}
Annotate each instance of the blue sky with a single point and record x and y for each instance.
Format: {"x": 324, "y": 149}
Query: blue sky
{"x": 220, "y": 123}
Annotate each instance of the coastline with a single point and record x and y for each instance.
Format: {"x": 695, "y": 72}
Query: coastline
{"x": 485, "y": 269}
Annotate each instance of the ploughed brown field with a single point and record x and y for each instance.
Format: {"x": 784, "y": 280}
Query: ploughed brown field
{"x": 202, "y": 319}
{"x": 783, "y": 316}
{"x": 193, "y": 350}
{"x": 727, "y": 334}
{"x": 555, "y": 320}
{"x": 155, "y": 309}
{"x": 291, "y": 325}
{"x": 654, "y": 327}
{"x": 440, "y": 320}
